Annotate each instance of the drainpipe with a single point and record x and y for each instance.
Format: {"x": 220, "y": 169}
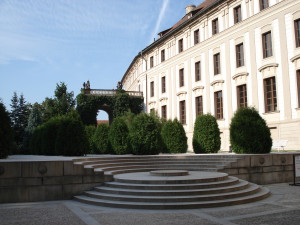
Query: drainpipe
{"x": 146, "y": 108}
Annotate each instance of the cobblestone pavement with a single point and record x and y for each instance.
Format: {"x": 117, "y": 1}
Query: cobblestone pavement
{"x": 281, "y": 208}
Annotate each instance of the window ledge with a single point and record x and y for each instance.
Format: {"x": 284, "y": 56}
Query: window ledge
{"x": 298, "y": 108}
{"x": 220, "y": 119}
{"x": 274, "y": 112}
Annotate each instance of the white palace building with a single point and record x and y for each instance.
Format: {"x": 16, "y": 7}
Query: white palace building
{"x": 224, "y": 54}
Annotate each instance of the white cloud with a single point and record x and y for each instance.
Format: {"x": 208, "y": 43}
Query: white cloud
{"x": 159, "y": 20}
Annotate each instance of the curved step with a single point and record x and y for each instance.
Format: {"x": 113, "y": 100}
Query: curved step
{"x": 174, "y": 192}
{"x": 263, "y": 193}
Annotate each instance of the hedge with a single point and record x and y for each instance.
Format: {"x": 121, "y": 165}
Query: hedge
{"x": 119, "y": 136}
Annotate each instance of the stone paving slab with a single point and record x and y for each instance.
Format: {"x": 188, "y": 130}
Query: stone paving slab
{"x": 282, "y": 208}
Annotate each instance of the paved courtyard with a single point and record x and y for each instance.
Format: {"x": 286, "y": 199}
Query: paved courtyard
{"x": 281, "y": 208}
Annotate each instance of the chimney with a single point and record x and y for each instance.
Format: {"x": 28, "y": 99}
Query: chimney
{"x": 189, "y": 8}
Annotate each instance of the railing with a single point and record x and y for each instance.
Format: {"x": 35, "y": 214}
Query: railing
{"x": 108, "y": 92}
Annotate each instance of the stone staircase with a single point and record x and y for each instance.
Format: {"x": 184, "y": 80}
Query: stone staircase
{"x": 187, "y": 181}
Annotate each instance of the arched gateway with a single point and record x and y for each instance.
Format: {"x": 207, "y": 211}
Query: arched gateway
{"x": 113, "y": 102}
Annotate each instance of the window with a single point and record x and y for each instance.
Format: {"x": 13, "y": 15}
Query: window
{"x": 197, "y": 71}
{"x": 215, "y": 26}
{"x": 182, "y": 112}
{"x": 239, "y": 49}
{"x": 180, "y": 45}
{"x": 263, "y": 4}
{"x": 237, "y": 12}
{"x": 218, "y": 105}
{"x": 241, "y": 96}
{"x": 297, "y": 32}
{"x": 162, "y": 55}
{"x": 152, "y": 89}
{"x": 217, "y": 69}
{"x": 151, "y": 61}
{"x": 196, "y": 37}
{"x": 298, "y": 86}
{"x": 199, "y": 105}
{"x": 181, "y": 77}
{"x": 163, "y": 84}
{"x": 270, "y": 94}
{"x": 267, "y": 44}
{"x": 164, "y": 111}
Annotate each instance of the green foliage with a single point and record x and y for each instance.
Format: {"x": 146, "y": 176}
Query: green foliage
{"x": 88, "y": 106}
{"x": 19, "y": 117}
{"x": 90, "y": 130}
{"x": 61, "y": 104}
{"x": 100, "y": 140}
{"x": 206, "y": 138}
{"x": 6, "y": 133}
{"x": 121, "y": 104}
{"x": 144, "y": 135}
{"x": 119, "y": 136}
{"x": 61, "y": 135}
{"x": 71, "y": 139}
{"x": 249, "y": 133}
{"x": 174, "y": 137}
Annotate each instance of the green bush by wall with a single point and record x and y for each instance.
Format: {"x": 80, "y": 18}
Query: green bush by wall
{"x": 144, "y": 135}
{"x": 90, "y": 130}
{"x": 100, "y": 140}
{"x": 174, "y": 137}
{"x": 206, "y": 137}
{"x": 249, "y": 132}
{"x": 119, "y": 136}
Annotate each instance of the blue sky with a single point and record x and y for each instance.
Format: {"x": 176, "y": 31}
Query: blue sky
{"x": 44, "y": 42}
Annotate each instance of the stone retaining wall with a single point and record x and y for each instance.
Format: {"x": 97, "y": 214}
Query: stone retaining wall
{"x": 44, "y": 180}
{"x": 264, "y": 168}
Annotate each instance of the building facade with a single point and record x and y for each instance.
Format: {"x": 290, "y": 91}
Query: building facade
{"x": 222, "y": 55}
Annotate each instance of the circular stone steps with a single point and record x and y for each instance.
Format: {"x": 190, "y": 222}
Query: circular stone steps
{"x": 165, "y": 190}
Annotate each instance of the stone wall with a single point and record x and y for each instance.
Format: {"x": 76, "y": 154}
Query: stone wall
{"x": 263, "y": 169}
{"x": 44, "y": 180}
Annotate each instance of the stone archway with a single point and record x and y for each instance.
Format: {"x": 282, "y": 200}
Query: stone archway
{"x": 108, "y": 110}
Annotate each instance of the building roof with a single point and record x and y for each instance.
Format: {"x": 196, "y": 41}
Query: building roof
{"x": 199, "y": 10}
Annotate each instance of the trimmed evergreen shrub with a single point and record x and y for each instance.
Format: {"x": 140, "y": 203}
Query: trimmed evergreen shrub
{"x": 119, "y": 136}
{"x": 90, "y": 130}
{"x": 206, "y": 138}
{"x": 144, "y": 135}
{"x": 249, "y": 132}
{"x": 100, "y": 140}
{"x": 48, "y": 136}
{"x": 6, "y": 133}
{"x": 174, "y": 137}
{"x": 71, "y": 138}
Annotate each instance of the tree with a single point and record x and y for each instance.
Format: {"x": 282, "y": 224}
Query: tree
{"x": 206, "y": 137}
{"x": 62, "y": 103}
{"x": 174, "y": 137}
{"x": 19, "y": 117}
{"x": 6, "y": 133}
{"x": 119, "y": 136}
{"x": 249, "y": 133}
{"x": 100, "y": 140}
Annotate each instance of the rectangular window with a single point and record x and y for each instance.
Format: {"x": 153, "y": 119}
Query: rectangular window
{"x": 215, "y": 26}
{"x": 180, "y": 45}
{"x": 267, "y": 44}
{"x": 217, "y": 68}
{"x": 239, "y": 49}
{"x": 241, "y": 96}
{"x": 181, "y": 77}
{"x": 297, "y": 32}
{"x": 164, "y": 111}
{"x": 237, "y": 11}
{"x": 197, "y": 71}
{"x": 263, "y": 4}
{"x": 298, "y": 86}
{"x": 152, "y": 89}
{"x": 151, "y": 61}
{"x": 199, "y": 105}
{"x": 270, "y": 94}
{"x": 196, "y": 37}
{"x": 218, "y": 105}
{"x": 162, "y": 55}
{"x": 163, "y": 84}
{"x": 182, "y": 112}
